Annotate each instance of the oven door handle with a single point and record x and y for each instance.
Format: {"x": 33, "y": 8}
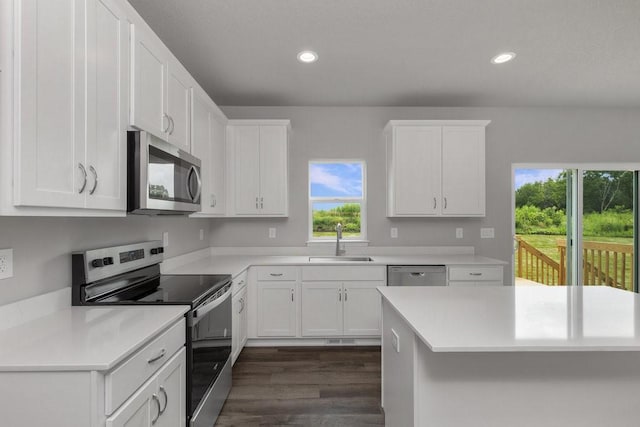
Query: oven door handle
{"x": 206, "y": 308}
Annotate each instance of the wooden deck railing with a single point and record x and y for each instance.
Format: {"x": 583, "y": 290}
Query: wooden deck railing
{"x": 605, "y": 263}
{"x": 533, "y": 264}
{"x": 609, "y": 264}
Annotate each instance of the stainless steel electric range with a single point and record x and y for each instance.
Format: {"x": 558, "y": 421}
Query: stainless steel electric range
{"x": 130, "y": 275}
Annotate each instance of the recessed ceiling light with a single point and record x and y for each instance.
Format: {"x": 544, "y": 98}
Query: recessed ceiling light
{"x": 307, "y": 56}
{"x": 503, "y": 57}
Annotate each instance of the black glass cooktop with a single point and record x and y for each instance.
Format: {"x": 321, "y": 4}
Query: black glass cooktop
{"x": 188, "y": 289}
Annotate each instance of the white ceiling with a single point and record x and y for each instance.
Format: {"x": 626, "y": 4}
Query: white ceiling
{"x": 406, "y": 52}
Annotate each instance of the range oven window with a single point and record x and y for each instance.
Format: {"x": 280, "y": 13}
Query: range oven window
{"x": 170, "y": 178}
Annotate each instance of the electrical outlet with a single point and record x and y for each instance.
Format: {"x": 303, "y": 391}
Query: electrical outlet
{"x": 201, "y": 234}
{"x": 272, "y": 232}
{"x": 395, "y": 341}
{"x": 459, "y": 233}
{"x": 394, "y": 233}
{"x": 487, "y": 233}
{"x": 165, "y": 239}
{"x": 6, "y": 263}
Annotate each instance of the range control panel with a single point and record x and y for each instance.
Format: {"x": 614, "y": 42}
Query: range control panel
{"x": 97, "y": 264}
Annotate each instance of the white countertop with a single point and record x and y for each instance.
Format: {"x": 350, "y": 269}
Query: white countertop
{"x": 83, "y": 338}
{"x": 235, "y": 264}
{"x": 522, "y": 318}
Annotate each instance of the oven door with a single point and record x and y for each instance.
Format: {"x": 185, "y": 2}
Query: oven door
{"x": 209, "y": 361}
{"x": 162, "y": 178}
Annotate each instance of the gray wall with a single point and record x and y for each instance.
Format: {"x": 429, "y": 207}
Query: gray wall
{"x": 515, "y": 135}
{"x": 42, "y": 246}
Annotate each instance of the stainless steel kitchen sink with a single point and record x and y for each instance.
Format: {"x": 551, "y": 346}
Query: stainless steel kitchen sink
{"x": 340, "y": 259}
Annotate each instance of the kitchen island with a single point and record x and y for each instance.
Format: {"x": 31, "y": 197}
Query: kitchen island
{"x": 507, "y": 356}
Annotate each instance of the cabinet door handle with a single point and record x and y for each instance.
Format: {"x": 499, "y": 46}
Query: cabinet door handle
{"x": 84, "y": 173}
{"x": 95, "y": 179}
{"x": 256, "y": 203}
{"x": 155, "y": 399}
{"x": 445, "y": 203}
{"x": 166, "y": 399}
{"x": 346, "y": 295}
{"x": 166, "y": 116}
{"x": 261, "y": 202}
{"x": 158, "y": 357}
{"x": 173, "y": 125}
{"x": 291, "y": 295}
{"x": 339, "y": 295}
{"x": 435, "y": 203}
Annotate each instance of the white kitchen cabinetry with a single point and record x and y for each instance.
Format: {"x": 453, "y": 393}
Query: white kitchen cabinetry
{"x": 435, "y": 168}
{"x": 341, "y": 301}
{"x": 208, "y": 125}
{"x": 71, "y": 80}
{"x": 486, "y": 275}
{"x": 258, "y": 167}
{"x": 277, "y": 297}
{"x": 160, "y": 90}
{"x": 159, "y": 402}
{"x": 239, "y": 319}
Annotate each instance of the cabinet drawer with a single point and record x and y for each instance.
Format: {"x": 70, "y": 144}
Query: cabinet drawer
{"x": 476, "y": 274}
{"x": 121, "y": 382}
{"x": 276, "y": 273}
{"x": 322, "y": 273}
{"x": 239, "y": 282}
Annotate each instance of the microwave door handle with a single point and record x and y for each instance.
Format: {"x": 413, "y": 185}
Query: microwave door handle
{"x": 193, "y": 171}
{"x": 200, "y": 312}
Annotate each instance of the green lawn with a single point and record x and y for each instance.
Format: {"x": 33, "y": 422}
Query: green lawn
{"x": 332, "y": 234}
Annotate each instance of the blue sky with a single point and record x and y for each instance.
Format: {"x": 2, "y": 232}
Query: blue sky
{"x": 525, "y": 176}
{"x": 335, "y": 179}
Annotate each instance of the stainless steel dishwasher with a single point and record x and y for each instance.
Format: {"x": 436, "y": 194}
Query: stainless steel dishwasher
{"x": 417, "y": 275}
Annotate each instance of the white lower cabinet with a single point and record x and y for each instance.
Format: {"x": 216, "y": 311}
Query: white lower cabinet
{"x": 340, "y": 308}
{"x": 159, "y": 402}
{"x": 239, "y": 322}
{"x": 486, "y": 275}
{"x": 276, "y": 309}
{"x": 341, "y": 301}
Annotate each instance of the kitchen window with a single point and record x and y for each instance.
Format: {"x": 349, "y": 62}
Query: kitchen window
{"x": 337, "y": 194}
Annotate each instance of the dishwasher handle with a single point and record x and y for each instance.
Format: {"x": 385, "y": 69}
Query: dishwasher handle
{"x": 416, "y": 270}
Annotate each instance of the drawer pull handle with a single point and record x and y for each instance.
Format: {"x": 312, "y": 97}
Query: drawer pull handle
{"x": 155, "y": 399}
{"x": 276, "y": 274}
{"x": 158, "y": 357}
{"x": 475, "y": 274}
{"x": 418, "y": 274}
{"x": 166, "y": 399}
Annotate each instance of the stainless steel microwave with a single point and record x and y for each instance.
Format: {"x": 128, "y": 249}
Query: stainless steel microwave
{"x": 161, "y": 178}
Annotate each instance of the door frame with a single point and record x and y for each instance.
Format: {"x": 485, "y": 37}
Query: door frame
{"x": 577, "y": 197}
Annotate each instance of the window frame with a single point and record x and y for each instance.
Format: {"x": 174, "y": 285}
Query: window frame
{"x": 362, "y": 201}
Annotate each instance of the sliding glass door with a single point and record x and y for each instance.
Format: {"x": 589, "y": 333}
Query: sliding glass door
{"x": 576, "y": 225}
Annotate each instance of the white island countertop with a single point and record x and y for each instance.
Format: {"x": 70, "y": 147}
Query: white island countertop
{"x": 523, "y": 318}
{"x": 83, "y": 338}
{"x": 235, "y": 264}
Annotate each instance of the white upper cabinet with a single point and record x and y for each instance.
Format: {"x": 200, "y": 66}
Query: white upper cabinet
{"x": 258, "y": 167}
{"x": 160, "y": 90}
{"x": 71, "y": 80}
{"x": 435, "y": 168}
{"x": 208, "y": 134}
{"x": 148, "y": 83}
{"x": 178, "y": 108}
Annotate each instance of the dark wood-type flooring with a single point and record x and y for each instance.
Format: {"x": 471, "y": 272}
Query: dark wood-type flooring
{"x": 305, "y": 386}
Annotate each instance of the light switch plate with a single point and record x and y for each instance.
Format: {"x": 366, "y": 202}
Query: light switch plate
{"x": 6, "y": 263}
{"x": 395, "y": 341}
{"x": 272, "y": 232}
{"x": 394, "y": 232}
{"x": 459, "y": 233}
{"x": 201, "y": 234}
{"x": 487, "y": 233}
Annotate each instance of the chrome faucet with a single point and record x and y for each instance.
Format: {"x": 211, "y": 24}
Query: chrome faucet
{"x": 339, "y": 251}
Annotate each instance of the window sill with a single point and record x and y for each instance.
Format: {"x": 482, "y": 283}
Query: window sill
{"x": 346, "y": 243}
